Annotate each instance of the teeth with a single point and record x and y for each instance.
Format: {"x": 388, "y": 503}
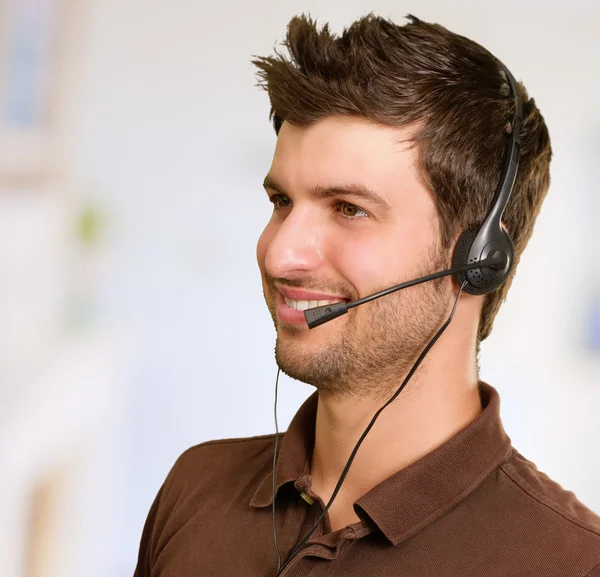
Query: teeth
{"x": 303, "y": 305}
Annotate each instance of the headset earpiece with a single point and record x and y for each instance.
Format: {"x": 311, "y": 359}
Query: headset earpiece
{"x": 461, "y": 254}
{"x": 474, "y": 245}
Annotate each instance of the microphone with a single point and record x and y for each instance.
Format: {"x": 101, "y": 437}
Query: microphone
{"x": 496, "y": 261}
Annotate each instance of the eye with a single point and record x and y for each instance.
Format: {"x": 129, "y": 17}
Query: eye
{"x": 352, "y": 211}
{"x": 280, "y": 201}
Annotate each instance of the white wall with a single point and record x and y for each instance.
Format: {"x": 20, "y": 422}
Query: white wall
{"x": 174, "y": 140}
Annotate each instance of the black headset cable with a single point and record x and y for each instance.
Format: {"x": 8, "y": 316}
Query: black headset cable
{"x": 280, "y": 568}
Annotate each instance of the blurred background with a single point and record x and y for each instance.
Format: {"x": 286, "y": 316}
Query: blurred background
{"x": 133, "y": 144}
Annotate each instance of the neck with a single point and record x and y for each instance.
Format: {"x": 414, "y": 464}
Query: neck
{"x": 441, "y": 399}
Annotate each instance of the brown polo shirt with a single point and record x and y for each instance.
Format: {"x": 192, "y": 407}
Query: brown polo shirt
{"x": 473, "y": 507}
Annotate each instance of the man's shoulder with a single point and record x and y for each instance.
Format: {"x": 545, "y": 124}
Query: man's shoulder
{"x": 211, "y": 460}
{"x": 553, "y": 517}
{"x": 230, "y": 447}
{"x": 550, "y": 494}
{"x": 204, "y": 479}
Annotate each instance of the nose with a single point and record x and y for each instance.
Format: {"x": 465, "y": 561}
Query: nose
{"x": 296, "y": 246}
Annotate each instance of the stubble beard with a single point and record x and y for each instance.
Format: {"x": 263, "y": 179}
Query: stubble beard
{"x": 376, "y": 347}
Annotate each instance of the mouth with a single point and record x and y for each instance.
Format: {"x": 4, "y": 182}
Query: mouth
{"x": 294, "y": 301}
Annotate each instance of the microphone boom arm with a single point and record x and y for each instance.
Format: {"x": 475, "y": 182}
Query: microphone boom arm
{"x": 319, "y": 315}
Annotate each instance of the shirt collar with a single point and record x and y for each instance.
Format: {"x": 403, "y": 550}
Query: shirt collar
{"x": 412, "y": 498}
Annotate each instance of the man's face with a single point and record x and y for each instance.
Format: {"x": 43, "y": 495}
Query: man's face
{"x": 350, "y": 218}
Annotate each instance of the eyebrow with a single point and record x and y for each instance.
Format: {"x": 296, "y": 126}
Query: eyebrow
{"x": 355, "y": 190}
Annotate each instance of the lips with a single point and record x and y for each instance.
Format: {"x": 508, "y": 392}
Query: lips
{"x": 291, "y": 311}
{"x": 293, "y": 302}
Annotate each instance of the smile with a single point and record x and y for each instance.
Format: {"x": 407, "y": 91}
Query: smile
{"x": 304, "y": 305}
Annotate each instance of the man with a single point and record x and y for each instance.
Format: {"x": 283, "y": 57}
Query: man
{"x": 390, "y": 145}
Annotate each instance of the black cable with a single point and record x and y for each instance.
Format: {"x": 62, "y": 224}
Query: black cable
{"x": 274, "y": 470}
{"x": 369, "y": 427}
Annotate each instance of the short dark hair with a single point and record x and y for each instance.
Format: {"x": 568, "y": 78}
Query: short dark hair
{"x": 449, "y": 87}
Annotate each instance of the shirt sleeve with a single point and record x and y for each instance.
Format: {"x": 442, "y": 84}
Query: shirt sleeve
{"x": 148, "y": 541}
{"x": 163, "y": 514}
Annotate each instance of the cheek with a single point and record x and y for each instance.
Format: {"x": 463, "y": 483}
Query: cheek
{"x": 365, "y": 263}
{"x": 262, "y": 246}
{"x": 380, "y": 261}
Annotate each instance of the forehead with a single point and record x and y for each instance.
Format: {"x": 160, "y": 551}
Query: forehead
{"x": 342, "y": 150}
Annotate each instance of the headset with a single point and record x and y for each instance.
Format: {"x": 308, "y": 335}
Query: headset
{"x": 481, "y": 262}
{"x": 490, "y": 239}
